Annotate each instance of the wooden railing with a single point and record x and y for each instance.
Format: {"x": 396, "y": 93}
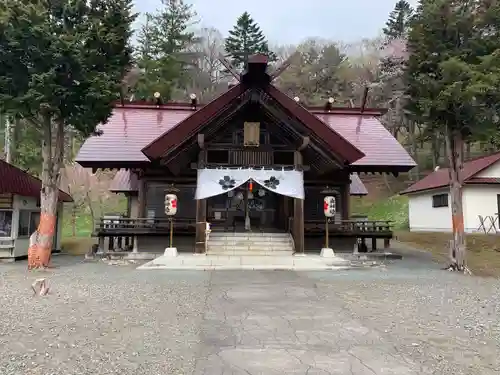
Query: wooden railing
{"x": 352, "y": 228}
{"x": 142, "y": 226}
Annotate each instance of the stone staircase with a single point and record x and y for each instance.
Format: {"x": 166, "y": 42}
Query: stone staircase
{"x": 250, "y": 243}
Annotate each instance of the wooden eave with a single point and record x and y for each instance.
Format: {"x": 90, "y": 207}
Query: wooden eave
{"x": 190, "y": 126}
{"x": 175, "y": 137}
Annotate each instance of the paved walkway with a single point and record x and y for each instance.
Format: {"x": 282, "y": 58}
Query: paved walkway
{"x": 406, "y": 318}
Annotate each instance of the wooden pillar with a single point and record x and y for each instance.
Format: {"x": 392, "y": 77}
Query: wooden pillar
{"x": 141, "y": 211}
{"x": 201, "y": 219}
{"x": 141, "y": 198}
{"x": 298, "y": 214}
{"x": 346, "y": 201}
{"x": 201, "y": 207}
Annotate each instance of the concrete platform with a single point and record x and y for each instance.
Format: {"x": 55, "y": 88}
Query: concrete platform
{"x": 248, "y": 262}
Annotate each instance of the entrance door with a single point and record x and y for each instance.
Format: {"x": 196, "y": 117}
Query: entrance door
{"x": 243, "y": 210}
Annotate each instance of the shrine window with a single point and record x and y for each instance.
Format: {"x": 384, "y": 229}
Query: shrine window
{"x": 6, "y": 223}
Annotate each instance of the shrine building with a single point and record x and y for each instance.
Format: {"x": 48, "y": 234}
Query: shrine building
{"x": 253, "y": 160}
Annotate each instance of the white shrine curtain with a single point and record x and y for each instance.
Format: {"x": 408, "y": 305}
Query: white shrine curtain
{"x": 212, "y": 182}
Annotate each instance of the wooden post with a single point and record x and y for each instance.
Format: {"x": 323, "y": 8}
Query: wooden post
{"x": 141, "y": 198}
{"x": 326, "y": 233}
{"x": 201, "y": 207}
{"x": 346, "y": 201}
{"x": 201, "y": 220}
{"x": 171, "y": 232}
{"x": 298, "y": 214}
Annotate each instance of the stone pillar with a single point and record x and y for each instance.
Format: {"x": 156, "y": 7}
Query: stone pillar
{"x": 101, "y": 244}
{"x": 135, "y": 248}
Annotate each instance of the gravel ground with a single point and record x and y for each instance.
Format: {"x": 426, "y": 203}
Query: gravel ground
{"x": 99, "y": 319}
{"x": 406, "y": 318}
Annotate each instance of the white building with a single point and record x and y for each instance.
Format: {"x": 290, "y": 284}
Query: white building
{"x": 20, "y": 212}
{"x": 429, "y": 199}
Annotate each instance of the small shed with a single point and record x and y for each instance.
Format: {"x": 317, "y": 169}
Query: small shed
{"x": 20, "y": 211}
{"x": 429, "y": 199}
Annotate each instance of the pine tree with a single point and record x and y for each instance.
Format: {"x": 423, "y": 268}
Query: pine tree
{"x": 246, "y": 39}
{"x": 163, "y": 52}
{"x": 452, "y": 77}
{"x": 399, "y": 19}
{"x": 61, "y": 68}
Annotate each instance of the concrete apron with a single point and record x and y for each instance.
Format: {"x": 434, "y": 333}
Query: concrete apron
{"x": 245, "y": 262}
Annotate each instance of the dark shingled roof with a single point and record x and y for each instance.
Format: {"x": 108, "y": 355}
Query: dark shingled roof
{"x": 441, "y": 177}
{"x": 15, "y": 181}
{"x": 126, "y": 182}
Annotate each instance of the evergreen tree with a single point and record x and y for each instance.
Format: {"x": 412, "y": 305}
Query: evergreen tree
{"x": 163, "y": 52}
{"x": 399, "y": 19}
{"x": 61, "y": 68}
{"x": 453, "y": 75}
{"x": 246, "y": 39}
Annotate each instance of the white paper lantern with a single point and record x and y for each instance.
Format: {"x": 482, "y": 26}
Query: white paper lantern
{"x": 261, "y": 192}
{"x": 170, "y": 204}
{"x": 329, "y": 206}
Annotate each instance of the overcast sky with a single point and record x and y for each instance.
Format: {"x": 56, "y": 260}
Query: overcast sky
{"x": 290, "y": 22}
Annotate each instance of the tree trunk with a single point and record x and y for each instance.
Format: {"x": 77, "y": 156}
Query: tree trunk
{"x": 52, "y": 153}
{"x": 436, "y": 150}
{"x": 455, "y": 148}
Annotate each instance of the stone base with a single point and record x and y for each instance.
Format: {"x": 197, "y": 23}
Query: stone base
{"x": 299, "y": 254}
{"x": 326, "y": 252}
{"x": 170, "y": 252}
{"x": 250, "y": 262}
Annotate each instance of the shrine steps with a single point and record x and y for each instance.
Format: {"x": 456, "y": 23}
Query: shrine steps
{"x": 250, "y": 244}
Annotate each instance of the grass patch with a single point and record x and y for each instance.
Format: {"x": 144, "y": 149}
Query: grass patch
{"x": 77, "y": 245}
{"x": 394, "y": 208}
{"x": 83, "y": 225}
{"x": 483, "y": 255}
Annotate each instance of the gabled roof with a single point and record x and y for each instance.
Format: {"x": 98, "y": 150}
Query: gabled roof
{"x": 126, "y": 182}
{"x": 192, "y": 124}
{"x": 15, "y": 181}
{"x": 441, "y": 177}
{"x": 133, "y": 127}
{"x": 135, "y": 136}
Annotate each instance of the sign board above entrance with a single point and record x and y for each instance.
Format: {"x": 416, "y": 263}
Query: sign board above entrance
{"x": 251, "y": 134}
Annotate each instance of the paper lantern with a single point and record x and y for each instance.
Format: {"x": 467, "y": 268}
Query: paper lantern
{"x": 329, "y": 206}
{"x": 170, "y": 204}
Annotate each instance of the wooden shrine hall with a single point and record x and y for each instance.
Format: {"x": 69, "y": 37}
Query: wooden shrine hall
{"x": 251, "y": 160}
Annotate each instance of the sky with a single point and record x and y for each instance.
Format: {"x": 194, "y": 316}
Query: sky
{"x": 292, "y": 21}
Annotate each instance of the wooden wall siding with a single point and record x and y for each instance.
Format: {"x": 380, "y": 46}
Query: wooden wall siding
{"x": 155, "y": 201}
{"x": 313, "y": 204}
{"x": 6, "y": 201}
{"x": 251, "y": 158}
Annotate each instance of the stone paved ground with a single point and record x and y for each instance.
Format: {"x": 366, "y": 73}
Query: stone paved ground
{"x": 406, "y": 318}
